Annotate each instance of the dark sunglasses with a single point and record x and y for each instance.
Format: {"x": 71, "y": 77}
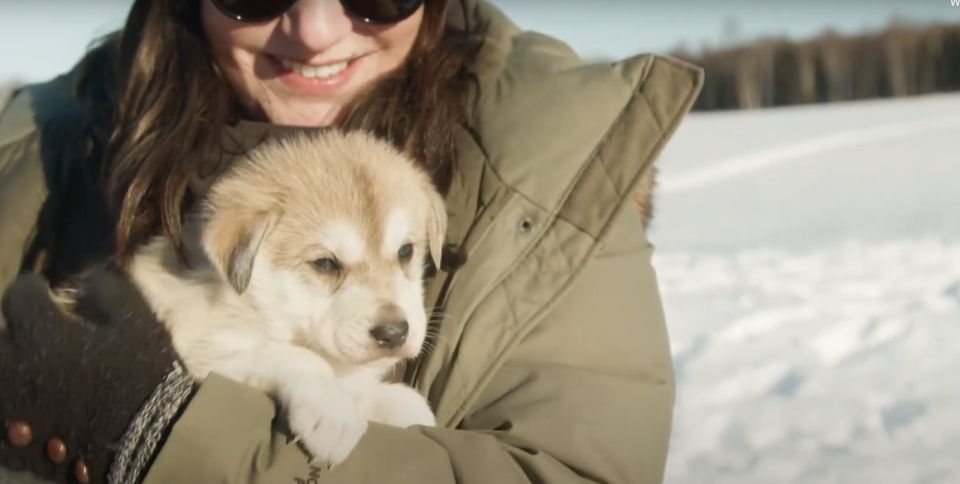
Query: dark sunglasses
{"x": 370, "y": 11}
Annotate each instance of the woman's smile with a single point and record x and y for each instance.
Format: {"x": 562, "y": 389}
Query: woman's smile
{"x": 305, "y": 66}
{"x": 315, "y": 80}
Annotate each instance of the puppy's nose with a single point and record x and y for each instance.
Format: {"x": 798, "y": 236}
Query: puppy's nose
{"x": 390, "y": 335}
{"x": 391, "y": 326}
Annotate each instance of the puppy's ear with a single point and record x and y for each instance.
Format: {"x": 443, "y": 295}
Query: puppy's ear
{"x": 232, "y": 241}
{"x": 436, "y": 225}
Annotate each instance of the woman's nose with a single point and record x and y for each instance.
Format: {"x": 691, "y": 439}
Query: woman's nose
{"x": 318, "y": 24}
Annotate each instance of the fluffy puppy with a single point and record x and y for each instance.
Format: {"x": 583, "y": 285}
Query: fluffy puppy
{"x": 304, "y": 279}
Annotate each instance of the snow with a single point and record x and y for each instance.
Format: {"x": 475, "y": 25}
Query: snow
{"x": 809, "y": 261}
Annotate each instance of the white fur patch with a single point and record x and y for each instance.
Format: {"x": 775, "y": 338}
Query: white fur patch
{"x": 397, "y": 231}
{"x": 345, "y": 241}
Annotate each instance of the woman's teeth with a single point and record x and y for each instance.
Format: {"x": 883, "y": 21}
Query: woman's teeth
{"x": 315, "y": 72}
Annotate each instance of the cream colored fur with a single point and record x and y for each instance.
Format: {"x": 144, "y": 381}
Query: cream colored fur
{"x": 255, "y": 307}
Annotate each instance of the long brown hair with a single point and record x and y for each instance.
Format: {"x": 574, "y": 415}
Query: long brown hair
{"x": 155, "y": 104}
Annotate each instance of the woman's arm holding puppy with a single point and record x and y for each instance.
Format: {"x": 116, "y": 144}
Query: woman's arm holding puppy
{"x": 586, "y": 397}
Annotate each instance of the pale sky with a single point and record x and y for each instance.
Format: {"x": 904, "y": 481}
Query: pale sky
{"x": 40, "y": 38}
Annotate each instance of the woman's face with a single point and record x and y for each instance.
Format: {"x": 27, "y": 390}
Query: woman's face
{"x": 303, "y": 67}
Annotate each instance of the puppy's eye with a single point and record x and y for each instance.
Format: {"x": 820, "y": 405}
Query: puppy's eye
{"x": 405, "y": 252}
{"x": 326, "y": 264}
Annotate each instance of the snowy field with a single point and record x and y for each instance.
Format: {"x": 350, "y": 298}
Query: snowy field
{"x": 809, "y": 260}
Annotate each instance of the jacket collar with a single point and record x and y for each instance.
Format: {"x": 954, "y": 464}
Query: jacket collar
{"x": 556, "y": 148}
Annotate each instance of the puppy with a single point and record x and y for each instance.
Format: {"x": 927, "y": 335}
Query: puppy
{"x": 304, "y": 279}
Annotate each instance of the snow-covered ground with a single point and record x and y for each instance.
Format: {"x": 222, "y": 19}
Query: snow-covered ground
{"x": 809, "y": 260}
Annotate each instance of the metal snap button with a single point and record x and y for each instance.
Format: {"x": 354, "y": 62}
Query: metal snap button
{"x": 19, "y": 434}
{"x": 527, "y": 224}
{"x": 81, "y": 472}
{"x": 56, "y": 450}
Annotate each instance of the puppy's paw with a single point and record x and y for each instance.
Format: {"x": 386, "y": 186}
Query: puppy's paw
{"x": 326, "y": 422}
{"x": 400, "y": 406}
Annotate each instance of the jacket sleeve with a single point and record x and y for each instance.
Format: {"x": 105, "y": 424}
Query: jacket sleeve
{"x": 32, "y": 172}
{"x": 23, "y": 187}
{"x": 587, "y": 397}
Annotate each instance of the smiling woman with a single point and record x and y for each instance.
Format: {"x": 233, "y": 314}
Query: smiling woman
{"x": 313, "y": 64}
{"x": 546, "y": 359}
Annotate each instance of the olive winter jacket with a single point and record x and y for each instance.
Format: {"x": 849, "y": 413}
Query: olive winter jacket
{"x": 553, "y": 363}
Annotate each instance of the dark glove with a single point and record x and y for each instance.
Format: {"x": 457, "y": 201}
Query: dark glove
{"x": 97, "y": 383}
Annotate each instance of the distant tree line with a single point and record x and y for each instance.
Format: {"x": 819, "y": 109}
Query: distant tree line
{"x": 901, "y": 60}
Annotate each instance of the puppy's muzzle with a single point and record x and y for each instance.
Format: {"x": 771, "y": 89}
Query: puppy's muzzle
{"x": 391, "y": 328}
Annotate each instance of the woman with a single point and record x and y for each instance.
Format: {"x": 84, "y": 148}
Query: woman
{"x": 551, "y": 364}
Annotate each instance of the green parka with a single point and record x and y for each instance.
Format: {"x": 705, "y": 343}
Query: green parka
{"x": 553, "y": 364}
